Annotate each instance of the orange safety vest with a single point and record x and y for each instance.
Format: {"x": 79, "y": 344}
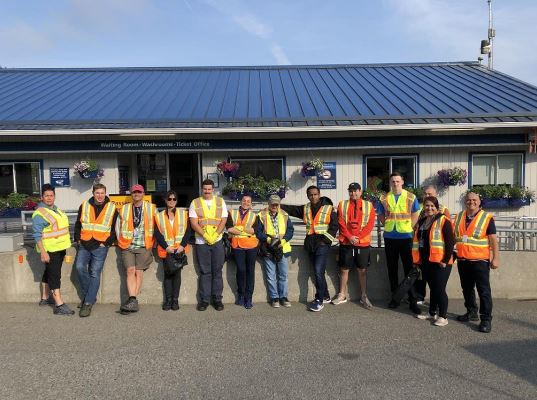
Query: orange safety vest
{"x": 213, "y": 218}
{"x": 472, "y": 243}
{"x": 126, "y": 231}
{"x": 367, "y": 208}
{"x": 244, "y": 240}
{"x": 319, "y": 224}
{"x": 173, "y": 235}
{"x": 96, "y": 228}
{"x": 436, "y": 243}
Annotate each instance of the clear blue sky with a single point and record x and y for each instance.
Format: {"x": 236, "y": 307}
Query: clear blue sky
{"x": 102, "y": 33}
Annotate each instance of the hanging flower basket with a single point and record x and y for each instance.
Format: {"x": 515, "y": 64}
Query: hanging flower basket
{"x": 312, "y": 167}
{"x": 228, "y": 169}
{"x": 452, "y": 177}
{"x": 88, "y": 169}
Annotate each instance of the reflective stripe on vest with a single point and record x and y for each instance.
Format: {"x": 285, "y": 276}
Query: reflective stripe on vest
{"x": 209, "y": 218}
{"x": 55, "y": 236}
{"x": 319, "y": 224}
{"x": 97, "y": 228}
{"x": 476, "y": 246}
{"x": 172, "y": 235}
{"x": 264, "y": 216}
{"x": 366, "y": 214}
{"x": 126, "y": 232}
{"x": 398, "y": 215}
{"x": 436, "y": 242}
{"x": 243, "y": 240}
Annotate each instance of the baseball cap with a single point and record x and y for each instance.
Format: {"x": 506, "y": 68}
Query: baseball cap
{"x": 274, "y": 199}
{"x": 137, "y": 188}
{"x": 354, "y": 186}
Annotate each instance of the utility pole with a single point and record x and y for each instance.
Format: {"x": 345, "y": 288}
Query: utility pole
{"x": 491, "y": 35}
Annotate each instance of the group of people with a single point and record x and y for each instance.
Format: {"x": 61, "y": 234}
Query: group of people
{"x": 423, "y": 237}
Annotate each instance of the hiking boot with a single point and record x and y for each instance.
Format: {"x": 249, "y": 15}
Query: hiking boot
{"x": 485, "y": 326}
{"x": 130, "y": 306}
{"x": 365, "y": 303}
{"x": 316, "y": 305}
{"x": 440, "y": 321}
{"x": 469, "y": 316}
{"x": 202, "y": 306}
{"x": 275, "y": 303}
{"x": 414, "y": 308}
{"x": 284, "y": 302}
{"x": 339, "y": 299}
{"x": 175, "y": 304}
{"x": 85, "y": 310}
{"x": 63, "y": 309}
{"x": 240, "y": 300}
{"x": 218, "y": 305}
{"x": 167, "y": 305}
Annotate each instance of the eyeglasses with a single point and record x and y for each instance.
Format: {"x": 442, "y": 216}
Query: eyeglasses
{"x": 172, "y": 199}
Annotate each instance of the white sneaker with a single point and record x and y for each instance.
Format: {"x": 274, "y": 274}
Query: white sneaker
{"x": 427, "y": 317}
{"x": 441, "y": 322}
{"x": 420, "y": 303}
{"x": 339, "y": 299}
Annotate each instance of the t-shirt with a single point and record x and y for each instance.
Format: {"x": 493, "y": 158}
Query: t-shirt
{"x": 394, "y": 234}
{"x": 192, "y": 214}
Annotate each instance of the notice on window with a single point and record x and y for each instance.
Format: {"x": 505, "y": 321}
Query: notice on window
{"x": 151, "y": 185}
{"x": 59, "y": 177}
{"x": 326, "y": 179}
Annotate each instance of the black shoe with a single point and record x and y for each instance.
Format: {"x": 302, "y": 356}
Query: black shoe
{"x": 485, "y": 326}
{"x": 167, "y": 305}
{"x": 469, "y": 316}
{"x": 393, "y": 304}
{"x": 218, "y": 306}
{"x": 414, "y": 308}
{"x": 175, "y": 305}
{"x": 202, "y": 306}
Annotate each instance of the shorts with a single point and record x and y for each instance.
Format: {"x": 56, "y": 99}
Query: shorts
{"x": 352, "y": 256}
{"x": 53, "y": 269}
{"x": 139, "y": 258}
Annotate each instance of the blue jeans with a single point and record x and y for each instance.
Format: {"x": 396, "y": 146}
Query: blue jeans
{"x": 318, "y": 261}
{"x": 277, "y": 284}
{"x": 89, "y": 265}
{"x": 245, "y": 260}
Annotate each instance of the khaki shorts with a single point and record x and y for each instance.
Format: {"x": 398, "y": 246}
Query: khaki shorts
{"x": 139, "y": 258}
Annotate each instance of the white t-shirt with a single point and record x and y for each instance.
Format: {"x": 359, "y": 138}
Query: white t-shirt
{"x": 192, "y": 214}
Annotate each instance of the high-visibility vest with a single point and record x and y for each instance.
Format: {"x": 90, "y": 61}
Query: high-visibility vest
{"x": 436, "y": 242}
{"x": 264, "y": 217}
{"x": 97, "y": 228}
{"x": 209, "y": 218}
{"x": 173, "y": 235}
{"x": 398, "y": 215}
{"x": 367, "y": 208}
{"x": 472, "y": 243}
{"x": 55, "y": 236}
{"x": 126, "y": 231}
{"x": 244, "y": 240}
{"x": 318, "y": 224}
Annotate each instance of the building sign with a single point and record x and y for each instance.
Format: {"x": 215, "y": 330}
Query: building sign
{"x": 59, "y": 177}
{"x": 121, "y": 199}
{"x": 326, "y": 179}
{"x": 156, "y": 145}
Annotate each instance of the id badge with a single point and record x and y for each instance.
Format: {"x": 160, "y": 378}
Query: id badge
{"x": 136, "y": 232}
{"x": 465, "y": 239}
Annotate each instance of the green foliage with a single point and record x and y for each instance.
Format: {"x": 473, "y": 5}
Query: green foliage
{"x": 256, "y": 186}
{"x": 503, "y": 192}
{"x": 418, "y": 192}
{"x": 372, "y": 195}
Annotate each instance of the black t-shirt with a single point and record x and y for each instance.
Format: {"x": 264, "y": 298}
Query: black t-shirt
{"x": 491, "y": 228}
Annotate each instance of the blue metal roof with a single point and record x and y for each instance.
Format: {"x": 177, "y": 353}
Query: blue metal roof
{"x": 388, "y": 94}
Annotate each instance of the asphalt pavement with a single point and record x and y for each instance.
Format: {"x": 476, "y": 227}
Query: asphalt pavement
{"x": 342, "y": 352}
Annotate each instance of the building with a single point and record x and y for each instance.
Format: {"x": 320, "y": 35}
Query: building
{"x": 166, "y": 127}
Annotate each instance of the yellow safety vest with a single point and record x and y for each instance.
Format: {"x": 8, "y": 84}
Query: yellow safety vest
{"x": 398, "y": 215}
{"x": 318, "y": 224}
{"x": 264, "y": 217}
{"x": 55, "y": 237}
{"x": 209, "y": 218}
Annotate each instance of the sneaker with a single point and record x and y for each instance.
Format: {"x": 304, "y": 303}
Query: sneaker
{"x": 339, "y": 299}
{"x": 240, "y": 300}
{"x": 202, "y": 306}
{"x": 46, "y": 302}
{"x": 284, "y": 302}
{"x": 365, "y": 303}
{"x": 218, "y": 305}
{"x": 469, "y": 316}
{"x": 316, "y": 305}
{"x": 485, "y": 326}
{"x": 275, "y": 303}
{"x": 420, "y": 302}
{"x": 393, "y": 304}
{"x": 131, "y": 305}
{"x": 327, "y": 300}
{"x": 427, "y": 317}
{"x": 63, "y": 310}
{"x": 414, "y": 308}
{"x": 85, "y": 310}
{"x": 248, "y": 304}
{"x": 175, "y": 304}
{"x": 440, "y": 322}
{"x": 167, "y": 305}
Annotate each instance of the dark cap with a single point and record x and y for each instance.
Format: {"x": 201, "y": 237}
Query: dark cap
{"x": 354, "y": 186}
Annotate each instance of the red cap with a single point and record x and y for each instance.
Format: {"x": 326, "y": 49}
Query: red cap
{"x": 137, "y": 188}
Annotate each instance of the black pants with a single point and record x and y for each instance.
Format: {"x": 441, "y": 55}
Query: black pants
{"x": 210, "y": 260}
{"x": 172, "y": 284}
{"x": 476, "y": 274}
{"x": 53, "y": 269}
{"x": 437, "y": 278}
{"x": 421, "y": 289}
{"x": 245, "y": 260}
{"x": 396, "y": 248}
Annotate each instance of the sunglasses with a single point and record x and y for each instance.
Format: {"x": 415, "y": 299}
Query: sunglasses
{"x": 172, "y": 199}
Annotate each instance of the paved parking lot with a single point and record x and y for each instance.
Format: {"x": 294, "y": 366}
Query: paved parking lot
{"x": 343, "y": 352}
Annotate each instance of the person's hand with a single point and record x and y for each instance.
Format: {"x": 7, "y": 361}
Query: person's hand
{"x": 442, "y": 265}
{"x": 170, "y": 250}
{"x": 45, "y": 257}
{"x": 494, "y": 264}
{"x": 354, "y": 240}
{"x": 207, "y": 237}
{"x": 180, "y": 249}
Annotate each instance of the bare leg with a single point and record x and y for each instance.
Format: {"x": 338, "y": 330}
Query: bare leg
{"x": 139, "y": 279}
{"x": 131, "y": 281}
{"x": 56, "y": 295}
{"x": 343, "y": 281}
{"x": 44, "y": 291}
{"x": 362, "y": 278}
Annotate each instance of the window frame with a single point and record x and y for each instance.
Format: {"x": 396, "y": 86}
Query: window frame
{"x": 257, "y": 158}
{"x": 496, "y": 154}
{"x": 25, "y": 161}
{"x": 415, "y": 156}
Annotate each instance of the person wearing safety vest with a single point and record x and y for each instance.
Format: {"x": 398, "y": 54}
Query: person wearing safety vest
{"x": 208, "y": 215}
{"x": 432, "y": 250}
{"x": 136, "y": 240}
{"x": 95, "y": 232}
{"x": 241, "y": 227}
{"x": 172, "y": 235}
{"x": 356, "y": 218}
{"x": 428, "y": 191}
{"x": 477, "y": 253}
{"x": 50, "y": 228}
{"x": 399, "y": 211}
{"x": 275, "y": 230}
{"x": 321, "y": 228}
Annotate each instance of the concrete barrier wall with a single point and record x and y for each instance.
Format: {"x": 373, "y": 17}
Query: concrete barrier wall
{"x": 21, "y": 273}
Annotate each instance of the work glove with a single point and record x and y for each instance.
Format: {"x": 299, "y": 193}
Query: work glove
{"x": 208, "y": 238}
{"x": 282, "y": 243}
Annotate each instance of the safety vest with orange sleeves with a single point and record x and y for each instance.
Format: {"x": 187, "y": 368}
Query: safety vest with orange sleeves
{"x": 436, "y": 242}
{"x": 243, "y": 240}
{"x": 126, "y": 230}
{"x": 367, "y": 214}
{"x": 319, "y": 224}
{"x": 55, "y": 236}
{"x": 472, "y": 242}
{"x": 173, "y": 235}
{"x": 97, "y": 228}
{"x": 209, "y": 217}
{"x": 398, "y": 214}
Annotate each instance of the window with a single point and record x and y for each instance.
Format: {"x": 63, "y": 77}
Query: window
{"x": 268, "y": 168}
{"x": 20, "y": 177}
{"x": 378, "y": 170}
{"x": 152, "y": 172}
{"x": 497, "y": 169}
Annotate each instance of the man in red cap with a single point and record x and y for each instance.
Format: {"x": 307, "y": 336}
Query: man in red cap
{"x": 135, "y": 238}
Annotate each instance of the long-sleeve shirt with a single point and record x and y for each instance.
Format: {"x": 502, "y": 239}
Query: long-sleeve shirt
{"x": 93, "y": 244}
{"x": 159, "y": 237}
{"x": 262, "y": 236}
{"x": 353, "y": 226}
{"x": 425, "y": 245}
{"x": 39, "y": 223}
